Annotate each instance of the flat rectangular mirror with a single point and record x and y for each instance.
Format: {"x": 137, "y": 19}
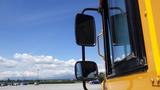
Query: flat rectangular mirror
{"x": 85, "y": 30}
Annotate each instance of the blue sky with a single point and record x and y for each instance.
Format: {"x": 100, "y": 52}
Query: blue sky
{"x": 38, "y": 28}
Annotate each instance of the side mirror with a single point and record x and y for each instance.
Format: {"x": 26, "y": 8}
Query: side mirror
{"x": 86, "y": 70}
{"x": 85, "y": 30}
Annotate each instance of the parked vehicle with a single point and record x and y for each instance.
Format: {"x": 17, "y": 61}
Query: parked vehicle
{"x": 94, "y": 82}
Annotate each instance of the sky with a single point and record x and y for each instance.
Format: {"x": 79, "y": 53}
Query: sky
{"x": 39, "y": 35}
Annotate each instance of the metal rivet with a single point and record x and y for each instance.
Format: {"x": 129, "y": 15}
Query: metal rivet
{"x": 145, "y": 13}
{"x": 152, "y": 81}
{"x": 158, "y": 81}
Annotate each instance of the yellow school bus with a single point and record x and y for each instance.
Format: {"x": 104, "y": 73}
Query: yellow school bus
{"x": 131, "y": 35}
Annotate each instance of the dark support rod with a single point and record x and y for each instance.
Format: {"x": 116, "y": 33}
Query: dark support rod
{"x": 83, "y": 59}
{"x": 83, "y": 53}
{"x": 83, "y": 47}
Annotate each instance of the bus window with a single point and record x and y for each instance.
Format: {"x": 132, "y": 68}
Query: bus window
{"x": 124, "y": 38}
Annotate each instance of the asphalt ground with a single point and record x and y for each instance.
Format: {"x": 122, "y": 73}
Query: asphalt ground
{"x": 77, "y": 86}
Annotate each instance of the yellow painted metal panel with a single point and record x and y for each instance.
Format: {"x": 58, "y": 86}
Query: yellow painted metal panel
{"x": 153, "y": 35}
{"x": 147, "y": 40}
{"x": 139, "y": 81}
{"x": 142, "y": 81}
{"x": 156, "y": 15}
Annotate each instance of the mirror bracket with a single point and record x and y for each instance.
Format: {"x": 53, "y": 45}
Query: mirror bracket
{"x": 99, "y": 10}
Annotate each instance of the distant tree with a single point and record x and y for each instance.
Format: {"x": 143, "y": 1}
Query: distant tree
{"x": 18, "y": 80}
{"x": 8, "y": 80}
{"x": 101, "y": 76}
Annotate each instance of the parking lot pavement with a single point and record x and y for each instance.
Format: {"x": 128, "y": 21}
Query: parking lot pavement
{"x": 77, "y": 86}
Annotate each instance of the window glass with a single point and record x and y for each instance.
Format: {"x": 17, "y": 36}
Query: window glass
{"x": 121, "y": 45}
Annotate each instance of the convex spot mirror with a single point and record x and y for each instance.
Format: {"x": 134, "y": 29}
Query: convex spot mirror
{"x": 86, "y": 70}
{"x": 85, "y": 30}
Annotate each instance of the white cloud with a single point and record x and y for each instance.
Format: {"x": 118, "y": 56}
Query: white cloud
{"x": 29, "y": 74}
{"x": 17, "y": 74}
{"x": 101, "y": 67}
{"x": 9, "y": 74}
{"x": 28, "y": 58}
{"x": 6, "y": 63}
{"x": 27, "y": 65}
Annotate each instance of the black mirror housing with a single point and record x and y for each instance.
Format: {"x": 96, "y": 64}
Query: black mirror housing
{"x": 86, "y": 70}
{"x": 85, "y": 30}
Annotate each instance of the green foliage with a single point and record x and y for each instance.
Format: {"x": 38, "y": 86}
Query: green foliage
{"x": 101, "y": 76}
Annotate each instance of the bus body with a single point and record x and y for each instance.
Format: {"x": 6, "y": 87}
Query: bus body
{"x": 131, "y": 33}
{"x": 144, "y": 72}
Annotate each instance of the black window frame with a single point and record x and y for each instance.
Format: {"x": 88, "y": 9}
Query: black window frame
{"x": 138, "y": 62}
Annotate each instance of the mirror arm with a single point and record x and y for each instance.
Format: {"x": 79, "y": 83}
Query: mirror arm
{"x": 84, "y": 85}
{"x": 83, "y": 59}
{"x": 99, "y": 10}
{"x": 92, "y": 9}
{"x": 83, "y": 53}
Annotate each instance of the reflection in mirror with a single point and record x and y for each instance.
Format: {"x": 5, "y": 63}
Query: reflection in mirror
{"x": 79, "y": 71}
{"x": 86, "y": 70}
